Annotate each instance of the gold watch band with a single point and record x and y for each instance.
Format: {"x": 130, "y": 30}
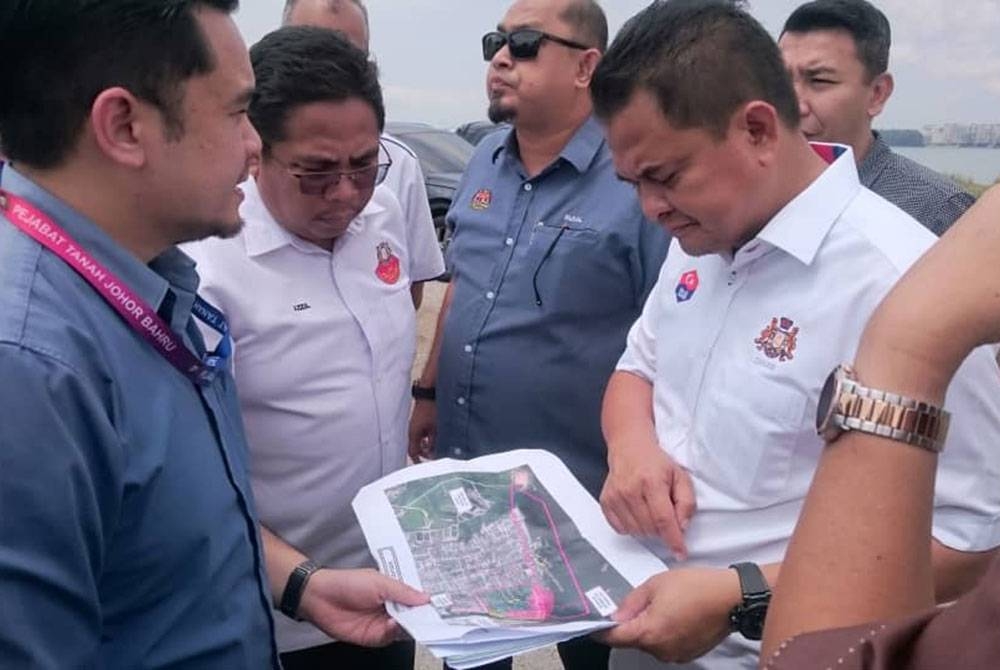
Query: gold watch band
{"x": 891, "y": 415}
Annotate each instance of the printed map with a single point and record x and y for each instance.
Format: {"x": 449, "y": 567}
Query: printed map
{"x": 496, "y": 546}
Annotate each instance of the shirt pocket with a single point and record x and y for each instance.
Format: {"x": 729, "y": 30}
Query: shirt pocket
{"x": 393, "y": 332}
{"x": 752, "y": 420}
{"x": 573, "y": 270}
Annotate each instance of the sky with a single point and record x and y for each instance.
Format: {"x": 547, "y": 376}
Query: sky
{"x": 945, "y": 55}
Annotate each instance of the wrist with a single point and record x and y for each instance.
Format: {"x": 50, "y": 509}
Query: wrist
{"x": 294, "y": 593}
{"x": 423, "y": 391}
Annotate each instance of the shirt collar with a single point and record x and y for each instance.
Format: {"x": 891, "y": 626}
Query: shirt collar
{"x": 150, "y": 282}
{"x": 580, "y": 151}
{"x": 801, "y": 226}
{"x": 875, "y": 160}
{"x": 262, "y": 233}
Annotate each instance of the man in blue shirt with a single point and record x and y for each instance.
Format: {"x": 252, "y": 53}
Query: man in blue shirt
{"x": 552, "y": 260}
{"x": 127, "y": 532}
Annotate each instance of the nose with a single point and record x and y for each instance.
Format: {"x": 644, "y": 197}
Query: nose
{"x": 800, "y": 94}
{"x": 343, "y": 188}
{"x": 502, "y": 58}
{"x": 252, "y": 141}
{"x": 654, "y": 201}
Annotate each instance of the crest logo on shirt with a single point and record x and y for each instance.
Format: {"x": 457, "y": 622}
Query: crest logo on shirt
{"x": 482, "y": 199}
{"x": 388, "y": 268}
{"x": 687, "y": 286}
{"x": 778, "y": 340}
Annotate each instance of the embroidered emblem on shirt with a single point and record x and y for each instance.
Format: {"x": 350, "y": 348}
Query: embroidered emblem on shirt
{"x": 778, "y": 340}
{"x": 573, "y": 220}
{"x": 388, "y": 264}
{"x": 301, "y": 307}
{"x": 482, "y": 199}
{"x": 687, "y": 286}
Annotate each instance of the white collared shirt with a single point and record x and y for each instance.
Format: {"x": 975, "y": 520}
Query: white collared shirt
{"x": 324, "y": 344}
{"x": 738, "y": 349}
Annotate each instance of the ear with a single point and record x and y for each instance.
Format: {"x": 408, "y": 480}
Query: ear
{"x": 758, "y": 123}
{"x": 586, "y": 66}
{"x": 881, "y": 87}
{"x": 121, "y": 125}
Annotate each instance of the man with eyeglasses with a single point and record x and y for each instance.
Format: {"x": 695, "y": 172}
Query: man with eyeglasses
{"x": 406, "y": 179}
{"x": 316, "y": 288}
{"x": 552, "y": 260}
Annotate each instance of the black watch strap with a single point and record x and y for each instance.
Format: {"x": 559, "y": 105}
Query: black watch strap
{"x": 752, "y": 581}
{"x": 423, "y": 392}
{"x": 295, "y": 587}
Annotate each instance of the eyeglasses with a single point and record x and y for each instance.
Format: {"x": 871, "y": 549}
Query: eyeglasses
{"x": 523, "y": 43}
{"x": 363, "y": 179}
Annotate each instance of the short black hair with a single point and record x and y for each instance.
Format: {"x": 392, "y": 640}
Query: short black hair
{"x": 299, "y": 65}
{"x": 588, "y": 22}
{"x": 701, "y": 60}
{"x": 865, "y": 23}
{"x": 57, "y": 56}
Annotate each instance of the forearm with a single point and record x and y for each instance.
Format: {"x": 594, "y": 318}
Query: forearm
{"x": 280, "y": 559}
{"x": 627, "y": 413}
{"x": 428, "y": 377}
{"x": 861, "y": 548}
{"x": 957, "y": 572}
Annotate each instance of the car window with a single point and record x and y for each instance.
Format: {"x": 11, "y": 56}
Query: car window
{"x": 439, "y": 151}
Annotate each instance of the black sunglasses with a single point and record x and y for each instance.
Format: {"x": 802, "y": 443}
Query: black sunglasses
{"x": 523, "y": 43}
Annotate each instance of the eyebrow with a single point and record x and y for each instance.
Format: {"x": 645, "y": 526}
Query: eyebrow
{"x": 325, "y": 161}
{"x": 243, "y": 98}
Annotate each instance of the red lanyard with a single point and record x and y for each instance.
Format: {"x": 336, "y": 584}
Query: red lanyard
{"x": 138, "y": 314}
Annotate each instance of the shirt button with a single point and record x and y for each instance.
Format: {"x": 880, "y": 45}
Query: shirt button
{"x": 461, "y": 401}
{"x": 456, "y": 451}
{"x": 509, "y": 242}
{"x": 491, "y": 295}
{"x": 468, "y": 348}
{"x": 528, "y": 187}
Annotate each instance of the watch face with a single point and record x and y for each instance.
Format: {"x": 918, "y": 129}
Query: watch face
{"x": 752, "y": 620}
{"x": 825, "y": 408}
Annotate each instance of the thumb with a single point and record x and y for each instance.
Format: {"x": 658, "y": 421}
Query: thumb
{"x": 633, "y": 604}
{"x": 398, "y": 592}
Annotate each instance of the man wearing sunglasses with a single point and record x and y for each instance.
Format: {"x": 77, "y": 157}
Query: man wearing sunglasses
{"x": 316, "y": 288}
{"x": 552, "y": 260}
{"x": 406, "y": 178}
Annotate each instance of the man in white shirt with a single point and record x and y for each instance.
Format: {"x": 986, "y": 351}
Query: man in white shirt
{"x": 779, "y": 258}
{"x": 316, "y": 289}
{"x": 405, "y": 179}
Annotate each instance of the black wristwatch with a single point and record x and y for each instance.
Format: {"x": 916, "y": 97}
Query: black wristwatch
{"x": 748, "y": 617}
{"x": 295, "y": 587}
{"x": 423, "y": 392}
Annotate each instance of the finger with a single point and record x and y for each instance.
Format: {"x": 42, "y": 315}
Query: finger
{"x": 623, "y": 635}
{"x": 619, "y": 505}
{"x": 398, "y": 592}
{"x": 664, "y": 518}
{"x": 685, "y": 502}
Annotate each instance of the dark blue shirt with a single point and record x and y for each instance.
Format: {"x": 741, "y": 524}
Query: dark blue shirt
{"x": 127, "y": 533}
{"x": 549, "y": 274}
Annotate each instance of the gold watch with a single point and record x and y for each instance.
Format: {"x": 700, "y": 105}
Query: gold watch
{"x": 846, "y": 405}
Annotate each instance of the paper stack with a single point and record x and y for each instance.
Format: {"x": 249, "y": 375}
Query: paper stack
{"x": 514, "y": 552}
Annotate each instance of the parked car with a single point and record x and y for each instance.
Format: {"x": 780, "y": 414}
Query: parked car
{"x": 443, "y": 156}
{"x": 474, "y": 131}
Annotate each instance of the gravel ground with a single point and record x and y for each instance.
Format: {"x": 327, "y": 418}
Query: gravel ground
{"x": 545, "y": 659}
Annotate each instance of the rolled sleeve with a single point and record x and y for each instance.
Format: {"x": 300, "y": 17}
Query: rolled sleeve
{"x": 59, "y": 485}
{"x": 426, "y": 261}
{"x": 640, "y": 348}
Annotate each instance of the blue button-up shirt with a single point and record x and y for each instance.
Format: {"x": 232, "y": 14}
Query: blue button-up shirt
{"x": 127, "y": 533}
{"x": 549, "y": 273}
